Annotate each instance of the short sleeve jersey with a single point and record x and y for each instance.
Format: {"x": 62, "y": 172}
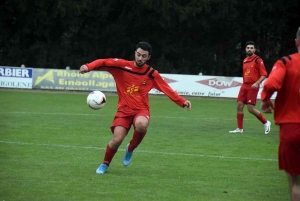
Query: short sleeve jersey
{"x": 253, "y": 69}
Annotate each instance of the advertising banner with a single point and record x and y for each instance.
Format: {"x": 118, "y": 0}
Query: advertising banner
{"x": 72, "y": 80}
{"x": 15, "y": 77}
{"x": 206, "y": 86}
{"x": 209, "y": 86}
{"x": 56, "y": 79}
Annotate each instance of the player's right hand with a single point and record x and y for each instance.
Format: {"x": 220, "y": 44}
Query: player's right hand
{"x": 267, "y": 106}
{"x": 83, "y": 69}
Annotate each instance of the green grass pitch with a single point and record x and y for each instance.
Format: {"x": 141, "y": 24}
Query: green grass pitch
{"x": 51, "y": 143}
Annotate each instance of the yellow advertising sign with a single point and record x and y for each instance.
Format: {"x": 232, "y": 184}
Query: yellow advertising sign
{"x": 72, "y": 80}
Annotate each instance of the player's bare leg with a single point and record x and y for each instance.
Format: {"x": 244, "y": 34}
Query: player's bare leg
{"x": 260, "y": 117}
{"x": 118, "y": 137}
{"x": 140, "y": 129}
{"x": 112, "y": 147}
{"x": 294, "y": 183}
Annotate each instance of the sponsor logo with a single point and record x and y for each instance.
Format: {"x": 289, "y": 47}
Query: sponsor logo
{"x": 128, "y": 68}
{"x": 16, "y": 72}
{"x": 247, "y": 72}
{"x": 168, "y": 80}
{"x": 48, "y": 76}
{"x": 220, "y": 83}
{"x": 72, "y": 80}
{"x": 15, "y": 84}
{"x": 130, "y": 90}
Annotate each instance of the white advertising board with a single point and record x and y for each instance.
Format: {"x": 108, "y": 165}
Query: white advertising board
{"x": 207, "y": 86}
{"x": 15, "y": 77}
{"x": 186, "y": 85}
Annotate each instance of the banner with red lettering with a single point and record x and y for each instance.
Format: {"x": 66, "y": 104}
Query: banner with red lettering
{"x": 208, "y": 86}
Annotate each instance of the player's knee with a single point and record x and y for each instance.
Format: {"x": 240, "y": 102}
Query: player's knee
{"x": 116, "y": 142}
{"x": 240, "y": 106}
{"x": 251, "y": 109}
{"x": 141, "y": 126}
{"x": 296, "y": 180}
{"x": 117, "y": 139}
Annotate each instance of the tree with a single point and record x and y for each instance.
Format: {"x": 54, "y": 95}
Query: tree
{"x": 188, "y": 37}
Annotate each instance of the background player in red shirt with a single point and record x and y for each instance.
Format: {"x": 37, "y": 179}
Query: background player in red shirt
{"x": 254, "y": 72}
{"x": 134, "y": 80}
{"x": 285, "y": 79}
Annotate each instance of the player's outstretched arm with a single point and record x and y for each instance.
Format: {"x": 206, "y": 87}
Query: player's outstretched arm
{"x": 83, "y": 69}
{"x": 188, "y": 104}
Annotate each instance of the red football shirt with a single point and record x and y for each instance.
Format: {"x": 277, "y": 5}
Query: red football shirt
{"x": 253, "y": 69}
{"x": 134, "y": 83}
{"x": 285, "y": 79}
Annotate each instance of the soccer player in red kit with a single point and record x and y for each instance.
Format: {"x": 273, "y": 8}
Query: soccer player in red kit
{"x": 134, "y": 80}
{"x": 285, "y": 79}
{"x": 254, "y": 72}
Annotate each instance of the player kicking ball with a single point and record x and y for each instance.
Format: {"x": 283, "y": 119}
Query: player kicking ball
{"x": 134, "y": 79}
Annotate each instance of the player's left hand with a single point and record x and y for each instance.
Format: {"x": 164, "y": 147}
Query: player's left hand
{"x": 188, "y": 104}
{"x": 267, "y": 106}
{"x": 255, "y": 85}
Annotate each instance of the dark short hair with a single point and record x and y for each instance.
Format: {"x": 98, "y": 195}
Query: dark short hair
{"x": 298, "y": 34}
{"x": 144, "y": 46}
{"x": 250, "y": 43}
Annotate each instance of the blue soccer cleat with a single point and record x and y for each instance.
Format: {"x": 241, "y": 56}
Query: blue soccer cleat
{"x": 127, "y": 158}
{"x": 101, "y": 169}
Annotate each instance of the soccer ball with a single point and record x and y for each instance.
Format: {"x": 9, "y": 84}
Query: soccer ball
{"x": 96, "y": 100}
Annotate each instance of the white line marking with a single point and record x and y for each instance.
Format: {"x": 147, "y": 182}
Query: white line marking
{"x": 82, "y": 114}
{"x": 141, "y": 151}
{"x": 46, "y": 113}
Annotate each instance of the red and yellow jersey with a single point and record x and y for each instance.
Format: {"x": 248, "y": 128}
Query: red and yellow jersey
{"x": 134, "y": 83}
{"x": 253, "y": 69}
{"x": 285, "y": 79}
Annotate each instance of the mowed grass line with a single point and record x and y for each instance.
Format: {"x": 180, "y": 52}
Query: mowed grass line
{"x": 51, "y": 144}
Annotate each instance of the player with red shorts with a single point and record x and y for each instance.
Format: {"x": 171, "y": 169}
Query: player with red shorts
{"x": 254, "y": 72}
{"x": 285, "y": 79}
{"x": 134, "y": 79}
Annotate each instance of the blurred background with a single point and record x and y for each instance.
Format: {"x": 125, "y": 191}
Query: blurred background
{"x": 187, "y": 36}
